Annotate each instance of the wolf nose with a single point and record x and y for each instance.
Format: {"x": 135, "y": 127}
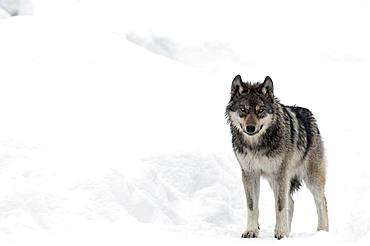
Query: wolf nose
{"x": 251, "y": 129}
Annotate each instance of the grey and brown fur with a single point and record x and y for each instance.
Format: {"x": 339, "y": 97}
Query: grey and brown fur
{"x": 280, "y": 143}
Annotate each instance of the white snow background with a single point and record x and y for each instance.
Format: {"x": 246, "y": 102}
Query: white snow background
{"x": 112, "y": 128}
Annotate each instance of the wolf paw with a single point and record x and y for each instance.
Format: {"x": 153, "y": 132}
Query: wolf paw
{"x": 250, "y": 234}
{"x": 280, "y": 234}
{"x": 323, "y": 228}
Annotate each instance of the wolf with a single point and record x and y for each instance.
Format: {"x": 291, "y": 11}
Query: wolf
{"x": 280, "y": 143}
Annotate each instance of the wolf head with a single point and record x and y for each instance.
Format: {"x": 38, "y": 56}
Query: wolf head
{"x": 251, "y": 107}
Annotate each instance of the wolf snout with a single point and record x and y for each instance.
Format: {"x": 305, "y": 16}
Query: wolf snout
{"x": 250, "y": 129}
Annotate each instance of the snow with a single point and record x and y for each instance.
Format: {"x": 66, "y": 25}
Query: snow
{"x": 16, "y": 7}
{"x": 112, "y": 125}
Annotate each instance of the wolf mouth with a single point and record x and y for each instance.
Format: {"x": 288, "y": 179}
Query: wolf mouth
{"x": 253, "y": 133}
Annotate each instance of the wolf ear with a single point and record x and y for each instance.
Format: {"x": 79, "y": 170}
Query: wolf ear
{"x": 236, "y": 86}
{"x": 268, "y": 86}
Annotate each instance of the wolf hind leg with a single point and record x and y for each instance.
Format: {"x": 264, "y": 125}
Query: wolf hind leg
{"x": 321, "y": 207}
{"x": 316, "y": 184}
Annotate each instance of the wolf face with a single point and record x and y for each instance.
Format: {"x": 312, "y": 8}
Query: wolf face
{"x": 251, "y": 107}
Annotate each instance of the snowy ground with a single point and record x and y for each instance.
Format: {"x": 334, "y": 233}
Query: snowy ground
{"x": 112, "y": 126}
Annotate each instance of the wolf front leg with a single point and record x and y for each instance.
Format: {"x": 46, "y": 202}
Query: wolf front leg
{"x": 280, "y": 187}
{"x": 251, "y": 182}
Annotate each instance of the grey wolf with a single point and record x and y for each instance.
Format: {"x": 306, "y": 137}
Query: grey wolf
{"x": 280, "y": 143}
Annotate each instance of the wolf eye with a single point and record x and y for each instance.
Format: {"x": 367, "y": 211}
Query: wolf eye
{"x": 242, "y": 109}
{"x": 261, "y": 110}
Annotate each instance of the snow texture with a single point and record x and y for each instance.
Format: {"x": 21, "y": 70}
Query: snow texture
{"x": 112, "y": 127}
{"x": 16, "y": 7}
